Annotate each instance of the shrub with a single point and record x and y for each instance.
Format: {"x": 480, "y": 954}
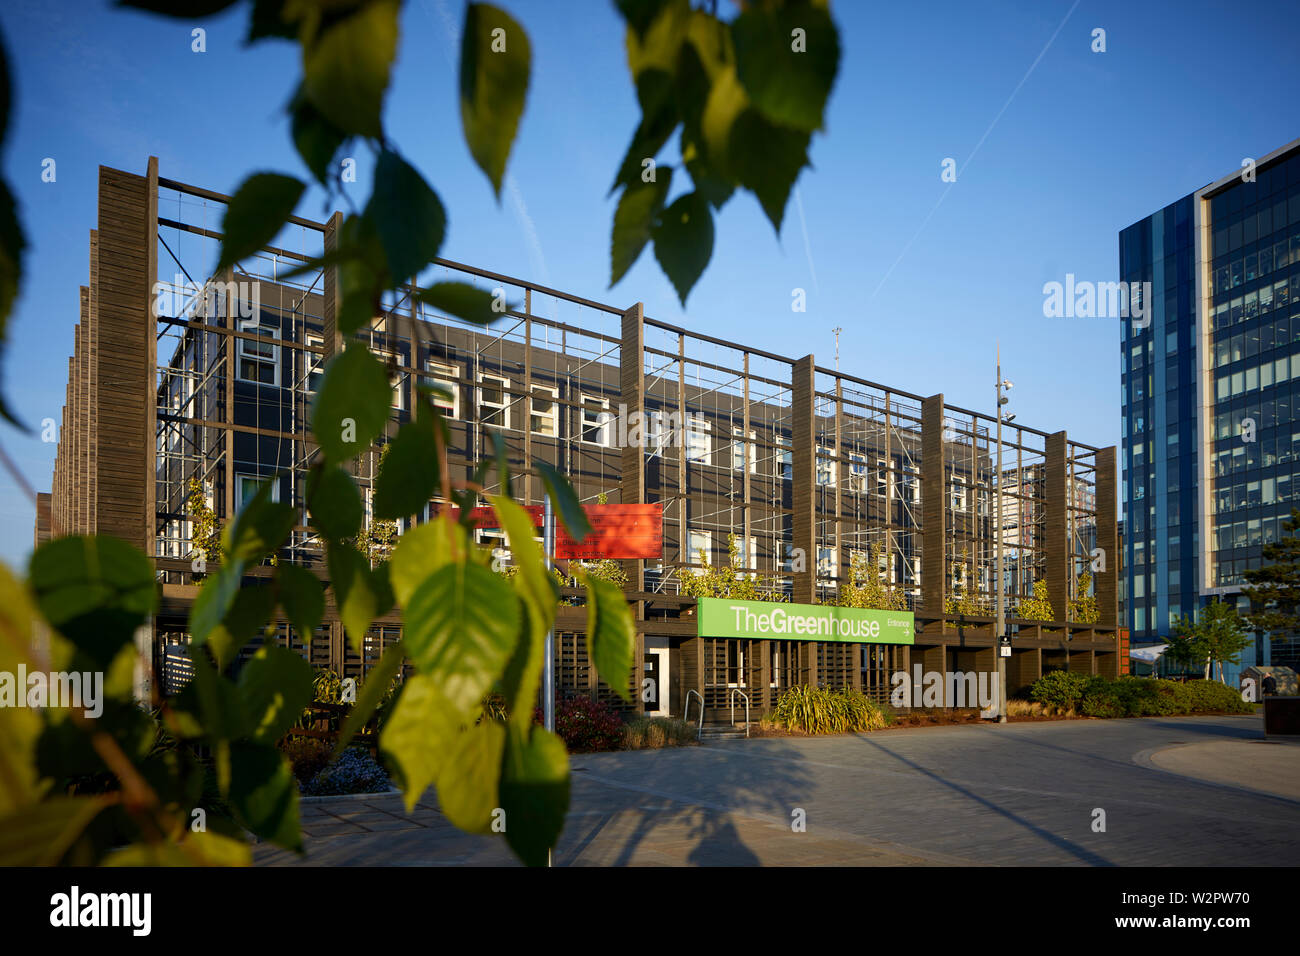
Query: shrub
{"x": 1210, "y": 695}
{"x": 355, "y": 772}
{"x": 1060, "y": 689}
{"x": 588, "y": 725}
{"x": 307, "y": 755}
{"x": 1147, "y": 697}
{"x": 817, "y": 710}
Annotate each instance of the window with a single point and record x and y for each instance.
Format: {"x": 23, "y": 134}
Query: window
{"x": 746, "y": 555}
{"x": 788, "y": 558}
{"x": 742, "y": 450}
{"x": 697, "y": 541}
{"x": 544, "y": 413}
{"x": 785, "y": 463}
{"x": 882, "y": 477}
{"x": 495, "y": 539}
{"x": 246, "y": 486}
{"x": 825, "y": 466}
{"x": 958, "y": 493}
{"x": 396, "y": 377}
{"x": 313, "y": 362}
{"x": 446, "y": 377}
{"x": 259, "y": 361}
{"x": 494, "y": 400}
{"x": 911, "y": 488}
{"x": 826, "y": 562}
{"x": 857, "y": 480}
{"x": 596, "y": 426}
{"x": 698, "y": 447}
{"x": 660, "y": 430}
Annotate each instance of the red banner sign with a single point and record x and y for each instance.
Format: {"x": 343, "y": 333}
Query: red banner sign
{"x": 617, "y": 531}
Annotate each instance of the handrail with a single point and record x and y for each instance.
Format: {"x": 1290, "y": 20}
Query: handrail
{"x": 686, "y": 714}
{"x": 732, "y": 698}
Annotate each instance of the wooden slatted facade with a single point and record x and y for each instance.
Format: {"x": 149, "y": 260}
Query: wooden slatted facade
{"x": 798, "y": 461}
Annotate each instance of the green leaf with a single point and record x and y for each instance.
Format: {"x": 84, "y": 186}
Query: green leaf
{"x": 540, "y": 595}
{"x": 261, "y": 526}
{"x": 315, "y": 137}
{"x": 652, "y": 132}
{"x": 656, "y": 36}
{"x": 94, "y": 590}
{"x": 303, "y": 598}
{"x": 335, "y": 502}
{"x": 788, "y": 86}
{"x": 257, "y": 212}
{"x": 355, "y": 591}
{"x": 408, "y": 471}
{"x": 461, "y": 625}
{"x": 468, "y": 780}
{"x": 180, "y": 9}
{"x": 564, "y": 501}
{"x": 708, "y": 182}
{"x": 684, "y": 241}
{"x": 634, "y": 220}
{"x": 39, "y": 835}
{"x": 20, "y": 727}
{"x": 766, "y": 159}
{"x": 363, "y": 273}
{"x": 248, "y": 614}
{"x": 501, "y": 457}
{"x": 495, "y": 59}
{"x": 639, "y": 14}
{"x": 534, "y": 791}
{"x": 268, "y": 21}
{"x": 463, "y": 301}
{"x": 353, "y": 404}
{"x": 217, "y": 703}
{"x": 419, "y": 735}
{"x": 611, "y": 635}
{"x": 407, "y": 214}
{"x": 12, "y": 246}
{"x": 346, "y": 68}
{"x": 199, "y": 848}
{"x": 214, "y": 600}
{"x": 423, "y": 550}
{"x": 263, "y": 793}
{"x": 373, "y": 689}
{"x": 275, "y": 685}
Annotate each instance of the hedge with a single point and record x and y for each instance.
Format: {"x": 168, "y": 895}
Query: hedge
{"x": 1136, "y": 696}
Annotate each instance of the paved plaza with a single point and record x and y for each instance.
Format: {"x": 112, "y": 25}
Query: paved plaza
{"x": 1176, "y": 791}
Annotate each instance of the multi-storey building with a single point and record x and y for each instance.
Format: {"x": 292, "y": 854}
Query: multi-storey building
{"x": 1211, "y": 439}
{"x": 207, "y": 384}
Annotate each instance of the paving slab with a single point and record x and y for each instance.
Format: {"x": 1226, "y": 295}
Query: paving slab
{"x": 1080, "y": 792}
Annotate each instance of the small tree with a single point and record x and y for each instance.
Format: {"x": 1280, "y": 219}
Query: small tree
{"x": 867, "y": 587}
{"x": 1039, "y": 606}
{"x": 729, "y": 582}
{"x": 962, "y": 599}
{"x": 205, "y": 533}
{"x": 1083, "y": 609}
{"x": 1274, "y": 589}
{"x": 1215, "y": 638}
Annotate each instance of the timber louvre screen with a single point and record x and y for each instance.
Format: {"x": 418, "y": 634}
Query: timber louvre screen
{"x": 788, "y": 456}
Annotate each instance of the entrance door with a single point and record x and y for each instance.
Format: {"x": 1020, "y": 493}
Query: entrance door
{"x": 654, "y": 682}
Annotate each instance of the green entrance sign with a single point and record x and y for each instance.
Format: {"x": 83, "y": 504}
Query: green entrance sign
{"x": 767, "y": 620}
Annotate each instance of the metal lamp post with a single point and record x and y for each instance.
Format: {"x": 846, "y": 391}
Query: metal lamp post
{"x": 1000, "y": 628}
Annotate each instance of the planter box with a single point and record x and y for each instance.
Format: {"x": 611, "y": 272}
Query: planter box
{"x": 1281, "y": 716}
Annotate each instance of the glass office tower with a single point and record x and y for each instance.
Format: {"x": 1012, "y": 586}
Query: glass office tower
{"x": 1211, "y": 392}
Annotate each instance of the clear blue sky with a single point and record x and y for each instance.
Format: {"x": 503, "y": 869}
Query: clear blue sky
{"x": 922, "y": 277}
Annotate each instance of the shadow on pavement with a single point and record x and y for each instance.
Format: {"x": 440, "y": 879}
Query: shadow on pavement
{"x": 702, "y": 806}
{"x": 1080, "y": 853}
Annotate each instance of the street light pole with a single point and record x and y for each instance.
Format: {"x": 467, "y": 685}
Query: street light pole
{"x": 1000, "y": 629}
